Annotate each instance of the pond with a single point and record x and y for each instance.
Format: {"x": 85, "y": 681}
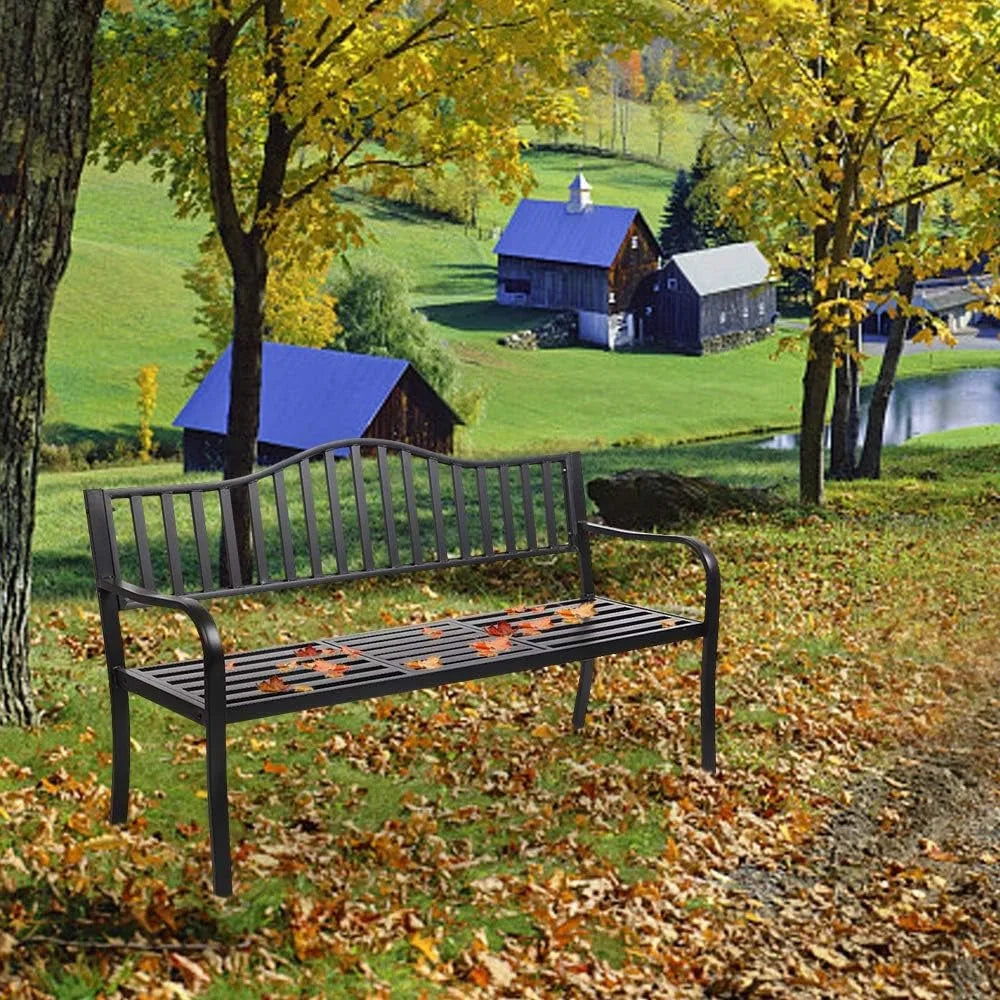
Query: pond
{"x": 924, "y": 405}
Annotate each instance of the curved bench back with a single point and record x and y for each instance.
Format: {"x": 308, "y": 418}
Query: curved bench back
{"x": 343, "y": 510}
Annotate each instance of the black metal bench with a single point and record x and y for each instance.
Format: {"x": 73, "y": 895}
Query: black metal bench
{"x": 358, "y": 509}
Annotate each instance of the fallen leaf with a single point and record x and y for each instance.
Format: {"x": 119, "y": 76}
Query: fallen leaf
{"x": 500, "y": 628}
{"x": 500, "y": 972}
{"x": 516, "y": 610}
{"x": 272, "y": 685}
{"x": 327, "y": 668}
{"x": 351, "y": 654}
{"x": 310, "y": 650}
{"x": 426, "y": 947}
{"x": 577, "y": 613}
{"x": 828, "y": 956}
{"x": 270, "y": 768}
{"x": 535, "y": 626}
{"x": 301, "y": 687}
{"x": 428, "y": 663}
{"x": 491, "y": 647}
{"x": 231, "y": 665}
{"x": 433, "y": 633}
{"x": 670, "y": 622}
{"x": 193, "y": 974}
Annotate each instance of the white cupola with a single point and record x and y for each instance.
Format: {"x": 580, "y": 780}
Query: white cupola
{"x": 579, "y": 195}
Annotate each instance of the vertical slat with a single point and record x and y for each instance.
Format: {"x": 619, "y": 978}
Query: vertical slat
{"x": 385, "y": 485}
{"x": 484, "y": 511}
{"x": 112, "y": 537}
{"x": 463, "y": 523}
{"x": 257, "y": 530}
{"x": 173, "y": 545}
{"x": 434, "y": 478}
{"x": 411, "y": 508}
{"x": 201, "y": 539}
{"x": 336, "y": 515}
{"x": 510, "y": 538}
{"x": 309, "y": 509}
{"x": 550, "y": 504}
{"x": 528, "y": 502}
{"x": 284, "y": 524}
{"x": 229, "y": 534}
{"x": 142, "y": 542}
{"x": 358, "y": 472}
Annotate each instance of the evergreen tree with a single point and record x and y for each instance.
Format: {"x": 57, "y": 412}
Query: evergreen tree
{"x": 678, "y": 232}
{"x": 705, "y": 205}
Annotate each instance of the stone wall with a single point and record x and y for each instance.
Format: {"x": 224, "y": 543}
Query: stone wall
{"x": 738, "y": 338}
{"x": 557, "y": 331}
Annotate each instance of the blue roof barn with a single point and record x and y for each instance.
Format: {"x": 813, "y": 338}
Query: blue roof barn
{"x": 578, "y": 256}
{"x": 310, "y": 396}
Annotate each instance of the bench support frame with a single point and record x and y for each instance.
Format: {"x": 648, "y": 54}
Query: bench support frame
{"x": 114, "y": 595}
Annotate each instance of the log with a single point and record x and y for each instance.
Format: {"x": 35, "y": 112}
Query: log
{"x": 644, "y": 499}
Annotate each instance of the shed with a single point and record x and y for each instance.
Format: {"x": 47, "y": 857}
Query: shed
{"x": 705, "y": 300}
{"x": 580, "y": 256}
{"x": 310, "y": 396}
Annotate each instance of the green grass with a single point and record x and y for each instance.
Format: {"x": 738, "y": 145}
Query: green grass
{"x": 121, "y": 305}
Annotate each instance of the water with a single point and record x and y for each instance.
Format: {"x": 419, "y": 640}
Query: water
{"x": 925, "y": 405}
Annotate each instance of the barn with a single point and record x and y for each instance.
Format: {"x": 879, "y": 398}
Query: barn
{"x": 706, "y": 300}
{"x": 311, "y": 396}
{"x": 578, "y": 256}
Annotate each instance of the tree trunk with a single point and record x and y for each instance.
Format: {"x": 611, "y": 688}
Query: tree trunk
{"x": 815, "y": 391}
{"x": 870, "y": 464}
{"x": 845, "y": 419}
{"x": 243, "y": 420}
{"x": 46, "y": 52}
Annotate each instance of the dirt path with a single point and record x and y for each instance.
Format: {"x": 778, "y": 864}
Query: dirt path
{"x": 899, "y": 895}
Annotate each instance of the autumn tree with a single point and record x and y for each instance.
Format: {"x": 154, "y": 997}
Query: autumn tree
{"x": 824, "y": 108}
{"x": 46, "y": 50}
{"x": 258, "y": 111}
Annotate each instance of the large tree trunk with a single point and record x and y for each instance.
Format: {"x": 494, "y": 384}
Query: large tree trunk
{"x": 46, "y": 52}
{"x": 246, "y": 250}
{"x": 815, "y": 391}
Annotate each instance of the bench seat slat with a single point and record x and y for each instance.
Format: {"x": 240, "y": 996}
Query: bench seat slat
{"x": 382, "y": 667}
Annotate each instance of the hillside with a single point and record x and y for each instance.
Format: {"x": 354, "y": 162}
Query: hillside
{"x": 123, "y": 305}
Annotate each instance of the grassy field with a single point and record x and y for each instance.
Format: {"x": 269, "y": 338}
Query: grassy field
{"x": 123, "y": 305}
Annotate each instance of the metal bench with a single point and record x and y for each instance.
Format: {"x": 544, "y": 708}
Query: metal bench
{"x": 351, "y": 510}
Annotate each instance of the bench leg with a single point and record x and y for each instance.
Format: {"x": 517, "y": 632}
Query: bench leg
{"x": 583, "y": 694}
{"x": 708, "y": 656}
{"x": 120, "y": 754}
{"x": 218, "y": 808}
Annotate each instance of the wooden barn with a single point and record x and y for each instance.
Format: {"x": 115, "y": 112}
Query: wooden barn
{"x": 580, "y": 256}
{"x": 707, "y": 300}
{"x": 310, "y": 396}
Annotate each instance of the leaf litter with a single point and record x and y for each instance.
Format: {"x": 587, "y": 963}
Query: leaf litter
{"x": 848, "y": 847}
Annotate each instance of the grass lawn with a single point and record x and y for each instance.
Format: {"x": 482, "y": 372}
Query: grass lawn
{"x": 464, "y": 841}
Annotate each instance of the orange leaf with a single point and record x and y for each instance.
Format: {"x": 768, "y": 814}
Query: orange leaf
{"x": 327, "y": 668}
{"x": 310, "y": 650}
{"x": 433, "y": 633}
{"x": 670, "y": 622}
{"x": 516, "y": 610}
{"x": 536, "y": 626}
{"x": 270, "y": 768}
{"x": 288, "y": 665}
{"x": 351, "y": 654}
{"x": 428, "y": 663}
{"x": 272, "y": 685}
{"x": 500, "y": 628}
{"x": 231, "y": 665}
{"x": 491, "y": 647}
{"x": 577, "y": 613}
{"x": 301, "y": 687}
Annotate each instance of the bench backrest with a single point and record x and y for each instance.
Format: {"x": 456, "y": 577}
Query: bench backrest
{"x": 339, "y": 511}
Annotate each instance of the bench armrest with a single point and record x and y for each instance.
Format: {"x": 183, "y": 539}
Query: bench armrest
{"x": 204, "y": 623}
{"x": 713, "y": 583}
